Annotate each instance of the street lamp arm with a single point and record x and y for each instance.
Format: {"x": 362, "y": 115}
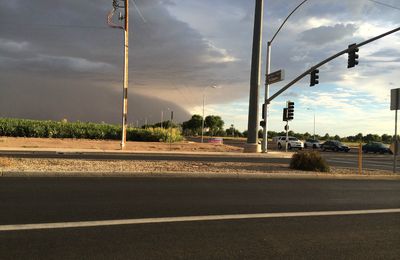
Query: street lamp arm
{"x": 287, "y": 18}
{"x": 328, "y": 60}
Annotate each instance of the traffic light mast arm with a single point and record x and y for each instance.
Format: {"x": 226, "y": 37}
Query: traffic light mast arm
{"x": 326, "y": 61}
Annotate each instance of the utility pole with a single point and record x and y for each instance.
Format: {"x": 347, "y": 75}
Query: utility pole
{"x": 252, "y": 138}
{"x": 125, "y": 17}
{"x": 162, "y": 118}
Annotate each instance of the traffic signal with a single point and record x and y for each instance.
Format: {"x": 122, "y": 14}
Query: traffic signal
{"x": 263, "y": 111}
{"x": 353, "y": 56}
{"x": 262, "y": 123}
{"x": 290, "y": 111}
{"x": 285, "y": 112}
{"x": 314, "y": 78}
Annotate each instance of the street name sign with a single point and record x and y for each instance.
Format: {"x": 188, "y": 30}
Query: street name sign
{"x": 276, "y": 76}
{"x": 395, "y": 99}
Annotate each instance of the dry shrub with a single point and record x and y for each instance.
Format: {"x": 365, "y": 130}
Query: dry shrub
{"x": 309, "y": 161}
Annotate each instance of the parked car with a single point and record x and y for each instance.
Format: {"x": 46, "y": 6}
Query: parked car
{"x": 275, "y": 139}
{"x": 311, "y": 143}
{"x": 293, "y": 142}
{"x": 334, "y": 146}
{"x": 376, "y": 147}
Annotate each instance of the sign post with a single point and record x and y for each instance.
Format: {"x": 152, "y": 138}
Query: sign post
{"x": 395, "y": 105}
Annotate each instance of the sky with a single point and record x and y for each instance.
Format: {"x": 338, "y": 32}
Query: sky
{"x": 60, "y": 60}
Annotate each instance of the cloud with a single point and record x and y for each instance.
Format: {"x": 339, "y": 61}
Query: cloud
{"x": 328, "y": 34}
{"x": 12, "y": 46}
{"x": 61, "y": 58}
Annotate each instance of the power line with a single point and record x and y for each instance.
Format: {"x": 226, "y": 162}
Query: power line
{"x": 139, "y": 12}
{"x": 384, "y": 4}
{"x": 71, "y": 26}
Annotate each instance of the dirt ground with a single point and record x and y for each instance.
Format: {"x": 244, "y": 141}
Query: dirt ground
{"x": 188, "y": 146}
{"x": 70, "y": 167}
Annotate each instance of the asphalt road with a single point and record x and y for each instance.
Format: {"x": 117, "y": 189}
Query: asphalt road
{"x": 338, "y": 159}
{"x": 55, "y": 200}
{"x": 369, "y": 161}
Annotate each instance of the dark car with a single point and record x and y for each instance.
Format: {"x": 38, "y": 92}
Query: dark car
{"x": 375, "y": 147}
{"x": 334, "y": 146}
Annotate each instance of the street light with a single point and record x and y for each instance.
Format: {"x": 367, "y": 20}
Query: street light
{"x": 202, "y": 121}
{"x": 265, "y": 132}
{"x": 314, "y": 120}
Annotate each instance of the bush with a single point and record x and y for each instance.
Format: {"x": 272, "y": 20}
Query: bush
{"x": 64, "y": 129}
{"x": 309, "y": 161}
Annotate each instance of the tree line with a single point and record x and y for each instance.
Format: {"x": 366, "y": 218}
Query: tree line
{"x": 213, "y": 126}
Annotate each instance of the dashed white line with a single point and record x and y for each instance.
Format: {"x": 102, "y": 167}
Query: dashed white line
{"x": 100, "y": 223}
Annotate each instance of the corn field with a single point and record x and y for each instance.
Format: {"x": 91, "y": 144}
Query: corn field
{"x": 80, "y": 130}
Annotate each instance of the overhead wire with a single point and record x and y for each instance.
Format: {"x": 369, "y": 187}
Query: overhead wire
{"x": 384, "y": 4}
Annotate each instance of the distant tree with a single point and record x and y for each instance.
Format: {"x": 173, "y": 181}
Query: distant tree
{"x": 214, "y": 124}
{"x": 326, "y": 137}
{"x": 386, "y": 138}
{"x": 371, "y": 138}
{"x": 165, "y": 124}
{"x": 272, "y": 134}
{"x": 358, "y": 137}
{"x": 233, "y": 132}
{"x": 193, "y": 125}
{"x": 220, "y": 132}
{"x": 306, "y": 136}
{"x": 336, "y": 137}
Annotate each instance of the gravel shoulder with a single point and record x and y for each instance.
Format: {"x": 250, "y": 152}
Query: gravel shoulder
{"x": 14, "y": 167}
{"x": 10, "y": 166}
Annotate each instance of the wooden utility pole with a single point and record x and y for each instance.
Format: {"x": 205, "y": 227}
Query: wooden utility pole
{"x": 126, "y": 75}
{"x": 125, "y": 17}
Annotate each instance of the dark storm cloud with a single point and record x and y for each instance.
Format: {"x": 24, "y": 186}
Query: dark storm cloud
{"x": 59, "y": 59}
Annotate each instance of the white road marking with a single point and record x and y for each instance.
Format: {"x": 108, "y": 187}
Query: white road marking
{"x": 100, "y": 223}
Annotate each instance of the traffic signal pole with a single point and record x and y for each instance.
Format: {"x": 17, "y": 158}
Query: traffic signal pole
{"x": 267, "y": 83}
{"x": 307, "y": 72}
{"x": 264, "y": 146}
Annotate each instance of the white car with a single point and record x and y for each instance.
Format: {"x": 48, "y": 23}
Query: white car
{"x": 293, "y": 142}
{"x": 311, "y": 143}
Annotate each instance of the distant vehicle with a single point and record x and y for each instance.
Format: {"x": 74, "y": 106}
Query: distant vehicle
{"x": 376, "y": 147}
{"x": 335, "y": 146}
{"x": 275, "y": 139}
{"x": 311, "y": 143}
{"x": 293, "y": 142}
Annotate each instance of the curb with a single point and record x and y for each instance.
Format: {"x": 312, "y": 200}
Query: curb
{"x": 33, "y": 174}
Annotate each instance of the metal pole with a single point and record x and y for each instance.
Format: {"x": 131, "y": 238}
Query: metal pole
{"x": 265, "y": 132}
{"x": 307, "y": 72}
{"x": 360, "y": 159}
{"x": 314, "y": 126}
{"x": 126, "y": 76}
{"x": 162, "y": 118}
{"x": 202, "y": 121}
{"x": 287, "y": 135}
{"x": 395, "y": 143}
{"x": 252, "y": 138}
